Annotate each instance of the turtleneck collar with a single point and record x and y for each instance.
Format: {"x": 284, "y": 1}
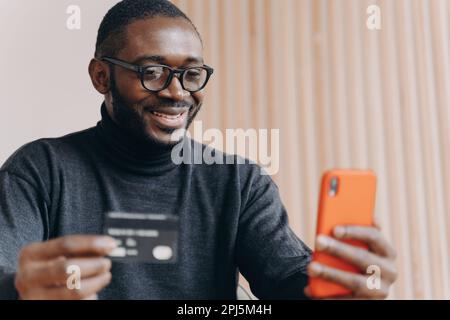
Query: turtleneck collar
{"x": 130, "y": 154}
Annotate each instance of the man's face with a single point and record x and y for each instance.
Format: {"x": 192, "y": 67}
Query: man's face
{"x": 155, "y": 116}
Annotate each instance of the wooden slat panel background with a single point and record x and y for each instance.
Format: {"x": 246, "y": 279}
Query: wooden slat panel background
{"x": 345, "y": 96}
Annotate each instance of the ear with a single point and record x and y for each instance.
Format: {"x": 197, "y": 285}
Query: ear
{"x": 99, "y": 73}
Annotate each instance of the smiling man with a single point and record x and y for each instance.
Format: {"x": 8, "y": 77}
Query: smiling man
{"x": 54, "y": 193}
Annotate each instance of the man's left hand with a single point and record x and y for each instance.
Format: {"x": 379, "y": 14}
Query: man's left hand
{"x": 380, "y": 254}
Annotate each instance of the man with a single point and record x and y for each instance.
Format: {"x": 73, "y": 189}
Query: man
{"x": 54, "y": 193}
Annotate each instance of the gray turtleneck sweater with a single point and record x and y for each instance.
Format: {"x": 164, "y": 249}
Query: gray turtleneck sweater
{"x": 231, "y": 216}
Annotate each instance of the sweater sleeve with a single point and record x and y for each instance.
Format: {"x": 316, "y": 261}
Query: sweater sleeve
{"x": 269, "y": 255}
{"x": 21, "y": 222}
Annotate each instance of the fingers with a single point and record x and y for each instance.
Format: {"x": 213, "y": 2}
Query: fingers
{"x": 88, "y": 289}
{"x": 307, "y": 292}
{"x": 68, "y": 246}
{"x": 355, "y": 282}
{"x": 381, "y": 255}
{"x": 358, "y": 257}
{"x": 45, "y": 268}
{"x": 370, "y": 235}
{"x": 56, "y": 272}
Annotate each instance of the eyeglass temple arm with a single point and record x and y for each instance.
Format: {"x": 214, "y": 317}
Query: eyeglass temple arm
{"x": 122, "y": 64}
{"x": 211, "y": 70}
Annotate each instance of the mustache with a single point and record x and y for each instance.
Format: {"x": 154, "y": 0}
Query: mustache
{"x": 166, "y": 103}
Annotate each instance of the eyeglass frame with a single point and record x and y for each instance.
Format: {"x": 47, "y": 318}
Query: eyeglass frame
{"x": 140, "y": 70}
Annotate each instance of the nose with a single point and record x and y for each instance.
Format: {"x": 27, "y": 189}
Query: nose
{"x": 174, "y": 91}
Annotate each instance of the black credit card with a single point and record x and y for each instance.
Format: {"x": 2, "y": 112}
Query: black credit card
{"x": 143, "y": 237}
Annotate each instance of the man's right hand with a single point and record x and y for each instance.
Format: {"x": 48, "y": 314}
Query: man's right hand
{"x": 42, "y": 271}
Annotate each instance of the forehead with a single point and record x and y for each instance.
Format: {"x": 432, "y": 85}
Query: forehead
{"x": 171, "y": 38}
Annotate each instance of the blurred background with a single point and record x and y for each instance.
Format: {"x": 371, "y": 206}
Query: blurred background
{"x": 343, "y": 96}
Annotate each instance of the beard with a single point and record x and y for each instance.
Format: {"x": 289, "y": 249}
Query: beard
{"x": 129, "y": 118}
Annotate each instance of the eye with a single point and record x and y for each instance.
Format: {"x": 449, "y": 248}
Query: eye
{"x": 193, "y": 74}
{"x": 153, "y": 73}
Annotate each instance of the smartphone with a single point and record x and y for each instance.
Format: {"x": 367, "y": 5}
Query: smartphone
{"x": 347, "y": 197}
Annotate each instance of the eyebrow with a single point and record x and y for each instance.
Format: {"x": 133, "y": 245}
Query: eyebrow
{"x": 162, "y": 60}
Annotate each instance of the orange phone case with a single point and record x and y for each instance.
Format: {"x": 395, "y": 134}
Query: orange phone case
{"x": 353, "y": 204}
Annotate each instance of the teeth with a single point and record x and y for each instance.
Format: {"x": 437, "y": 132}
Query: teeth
{"x": 162, "y": 115}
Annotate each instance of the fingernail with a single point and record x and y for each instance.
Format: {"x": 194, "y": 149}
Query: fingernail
{"x": 105, "y": 242}
{"x": 306, "y": 292}
{"x": 315, "y": 268}
{"x": 107, "y": 263}
{"x": 339, "y": 232}
{"x": 321, "y": 243}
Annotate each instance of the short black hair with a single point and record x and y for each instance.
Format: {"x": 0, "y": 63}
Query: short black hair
{"x": 111, "y": 36}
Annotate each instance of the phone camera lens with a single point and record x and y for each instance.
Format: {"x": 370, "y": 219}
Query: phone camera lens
{"x": 333, "y": 187}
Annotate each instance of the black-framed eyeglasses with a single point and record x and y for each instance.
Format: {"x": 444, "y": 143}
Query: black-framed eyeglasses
{"x": 155, "y": 78}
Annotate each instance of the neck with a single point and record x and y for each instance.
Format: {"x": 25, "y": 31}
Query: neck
{"x": 128, "y": 150}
